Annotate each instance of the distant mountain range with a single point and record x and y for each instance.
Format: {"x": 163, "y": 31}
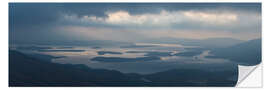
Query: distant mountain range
{"x": 205, "y": 43}
{"x": 26, "y": 70}
{"x": 90, "y": 43}
{"x": 218, "y": 42}
{"x": 246, "y": 53}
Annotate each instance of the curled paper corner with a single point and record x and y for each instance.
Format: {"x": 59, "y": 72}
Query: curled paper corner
{"x": 249, "y": 76}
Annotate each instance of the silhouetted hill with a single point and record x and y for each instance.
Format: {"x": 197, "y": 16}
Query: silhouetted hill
{"x": 205, "y": 43}
{"x": 247, "y": 53}
{"x": 196, "y": 77}
{"x": 28, "y": 71}
{"x": 219, "y": 42}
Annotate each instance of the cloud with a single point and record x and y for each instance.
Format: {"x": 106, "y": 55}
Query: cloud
{"x": 212, "y": 18}
{"x": 182, "y": 19}
{"x": 167, "y": 18}
{"x": 129, "y": 21}
{"x": 163, "y": 18}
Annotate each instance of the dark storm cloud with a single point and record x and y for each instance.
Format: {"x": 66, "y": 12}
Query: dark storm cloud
{"x": 32, "y": 14}
{"x": 26, "y": 15}
{"x": 102, "y": 11}
{"x": 32, "y": 20}
{"x": 98, "y": 9}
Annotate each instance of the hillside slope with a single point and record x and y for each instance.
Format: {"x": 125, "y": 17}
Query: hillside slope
{"x": 246, "y": 53}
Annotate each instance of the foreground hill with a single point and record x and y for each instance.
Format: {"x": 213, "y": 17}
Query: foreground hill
{"x": 26, "y": 70}
{"x": 196, "y": 77}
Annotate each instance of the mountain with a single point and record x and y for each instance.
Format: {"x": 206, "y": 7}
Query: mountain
{"x": 205, "y": 43}
{"x": 219, "y": 42}
{"x": 195, "y": 77}
{"x": 91, "y": 43}
{"x": 246, "y": 53}
{"x": 212, "y": 42}
{"x": 26, "y": 70}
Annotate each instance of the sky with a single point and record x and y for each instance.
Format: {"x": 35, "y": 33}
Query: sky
{"x": 131, "y": 22}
